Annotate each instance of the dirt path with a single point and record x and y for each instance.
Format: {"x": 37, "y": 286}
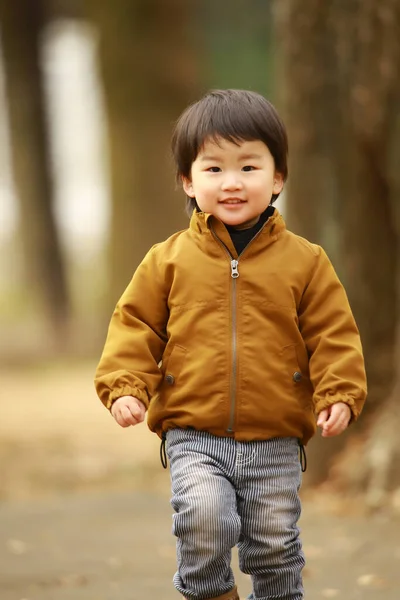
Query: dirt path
{"x": 84, "y": 510}
{"x": 118, "y": 546}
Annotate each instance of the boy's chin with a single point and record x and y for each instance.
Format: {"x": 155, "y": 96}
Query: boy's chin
{"x": 241, "y": 223}
{"x": 234, "y": 219}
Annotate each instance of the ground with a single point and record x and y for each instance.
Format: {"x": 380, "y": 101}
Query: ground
{"x": 85, "y": 515}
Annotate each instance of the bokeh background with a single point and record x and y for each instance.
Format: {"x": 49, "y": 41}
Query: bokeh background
{"x": 89, "y": 92}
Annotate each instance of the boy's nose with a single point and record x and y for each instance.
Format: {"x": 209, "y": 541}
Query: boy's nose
{"x": 231, "y": 182}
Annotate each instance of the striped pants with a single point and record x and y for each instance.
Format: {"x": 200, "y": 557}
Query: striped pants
{"x": 227, "y": 493}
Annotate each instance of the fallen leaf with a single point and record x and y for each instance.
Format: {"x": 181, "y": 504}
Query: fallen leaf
{"x": 330, "y": 593}
{"x": 371, "y": 580}
{"x": 114, "y": 561}
{"x": 17, "y": 547}
{"x": 73, "y": 580}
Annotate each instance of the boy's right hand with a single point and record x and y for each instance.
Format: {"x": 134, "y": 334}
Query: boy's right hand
{"x": 128, "y": 410}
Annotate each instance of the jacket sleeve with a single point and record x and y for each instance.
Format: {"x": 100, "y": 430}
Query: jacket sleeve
{"x": 332, "y": 339}
{"x": 136, "y": 338}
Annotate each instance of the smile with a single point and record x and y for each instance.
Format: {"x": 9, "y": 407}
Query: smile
{"x": 233, "y": 201}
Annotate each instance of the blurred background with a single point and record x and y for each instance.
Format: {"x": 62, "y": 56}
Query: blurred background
{"x": 89, "y": 92}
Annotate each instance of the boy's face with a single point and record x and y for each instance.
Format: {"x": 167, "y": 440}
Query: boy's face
{"x": 233, "y": 182}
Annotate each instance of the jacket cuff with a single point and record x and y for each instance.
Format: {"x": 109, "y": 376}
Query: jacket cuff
{"x": 334, "y": 399}
{"x": 127, "y": 391}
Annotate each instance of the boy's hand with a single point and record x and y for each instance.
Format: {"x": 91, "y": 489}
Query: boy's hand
{"x": 128, "y": 410}
{"x": 334, "y": 419}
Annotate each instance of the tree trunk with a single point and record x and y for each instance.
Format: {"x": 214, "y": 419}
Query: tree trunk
{"x": 306, "y": 76}
{"x": 383, "y": 451}
{"x": 21, "y": 25}
{"x": 341, "y": 84}
{"x": 370, "y": 63}
{"x": 149, "y": 75}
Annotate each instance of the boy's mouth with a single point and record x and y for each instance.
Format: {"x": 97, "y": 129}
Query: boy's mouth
{"x": 232, "y": 201}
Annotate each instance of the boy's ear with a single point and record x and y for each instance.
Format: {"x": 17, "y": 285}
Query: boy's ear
{"x": 278, "y": 183}
{"x": 188, "y": 187}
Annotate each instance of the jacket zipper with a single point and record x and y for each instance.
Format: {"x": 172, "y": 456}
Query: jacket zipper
{"x": 234, "y": 274}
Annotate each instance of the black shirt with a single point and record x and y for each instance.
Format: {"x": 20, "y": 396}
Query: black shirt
{"x": 241, "y": 237}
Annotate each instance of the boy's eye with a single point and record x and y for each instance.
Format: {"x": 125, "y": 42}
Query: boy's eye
{"x": 214, "y": 169}
{"x": 248, "y": 168}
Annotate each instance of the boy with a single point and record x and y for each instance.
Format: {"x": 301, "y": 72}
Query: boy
{"x": 234, "y": 334}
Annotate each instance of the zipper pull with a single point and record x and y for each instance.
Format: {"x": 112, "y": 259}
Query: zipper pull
{"x": 234, "y": 269}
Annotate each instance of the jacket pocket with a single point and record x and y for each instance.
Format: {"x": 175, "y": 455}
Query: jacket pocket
{"x": 173, "y": 365}
{"x": 297, "y": 374}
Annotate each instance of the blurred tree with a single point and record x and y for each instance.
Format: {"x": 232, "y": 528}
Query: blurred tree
{"x": 21, "y": 25}
{"x": 340, "y": 65}
{"x": 306, "y": 79}
{"x": 236, "y": 42}
{"x": 150, "y": 74}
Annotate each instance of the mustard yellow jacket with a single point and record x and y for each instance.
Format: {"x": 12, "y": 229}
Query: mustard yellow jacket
{"x": 250, "y": 347}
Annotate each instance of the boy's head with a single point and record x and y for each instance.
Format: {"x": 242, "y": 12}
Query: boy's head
{"x": 230, "y": 150}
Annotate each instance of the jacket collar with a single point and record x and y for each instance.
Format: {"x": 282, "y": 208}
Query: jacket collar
{"x": 206, "y": 225}
{"x": 204, "y": 222}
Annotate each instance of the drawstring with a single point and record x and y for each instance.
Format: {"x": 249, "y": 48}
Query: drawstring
{"x": 163, "y": 452}
{"x": 303, "y": 457}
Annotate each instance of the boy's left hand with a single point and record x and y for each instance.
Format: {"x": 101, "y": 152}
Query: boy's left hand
{"x": 334, "y": 419}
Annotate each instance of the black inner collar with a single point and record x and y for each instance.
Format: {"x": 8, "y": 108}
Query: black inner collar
{"x": 241, "y": 237}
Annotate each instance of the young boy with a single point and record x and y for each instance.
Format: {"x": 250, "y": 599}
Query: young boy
{"x": 233, "y": 335}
